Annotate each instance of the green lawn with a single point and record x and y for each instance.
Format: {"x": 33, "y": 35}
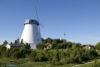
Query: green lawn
{"x": 7, "y": 62}
{"x": 43, "y": 64}
{"x": 90, "y": 64}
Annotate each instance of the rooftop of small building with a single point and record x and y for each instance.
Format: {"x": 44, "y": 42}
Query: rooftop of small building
{"x": 16, "y": 44}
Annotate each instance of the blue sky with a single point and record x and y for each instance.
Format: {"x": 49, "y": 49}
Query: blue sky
{"x": 78, "y": 19}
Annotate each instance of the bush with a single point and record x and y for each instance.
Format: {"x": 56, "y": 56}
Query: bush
{"x": 32, "y": 56}
{"x": 40, "y": 46}
{"x": 98, "y": 46}
{"x": 50, "y": 56}
{"x": 41, "y": 57}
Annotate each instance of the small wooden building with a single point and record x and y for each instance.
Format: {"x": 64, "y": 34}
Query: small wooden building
{"x": 11, "y": 45}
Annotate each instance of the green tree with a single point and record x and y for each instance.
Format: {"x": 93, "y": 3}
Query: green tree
{"x": 5, "y": 42}
{"x": 98, "y": 46}
{"x": 27, "y": 46}
{"x": 49, "y": 40}
{"x": 17, "y": 41}
{"x": 69, "y": 44}
{"x": 40, "y": 46}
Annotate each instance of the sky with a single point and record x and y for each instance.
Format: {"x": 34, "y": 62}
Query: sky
{"x": 78, "y": 19}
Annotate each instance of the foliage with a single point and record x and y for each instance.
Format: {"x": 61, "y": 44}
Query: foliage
{"x": 98, "y": 46}
{"x": 57, "y": 44}
{"x": 62, "y": 52}
{"x": 32, "y": 56}
{"x": 5, "y": 42}
{"x": 40, "y": 46}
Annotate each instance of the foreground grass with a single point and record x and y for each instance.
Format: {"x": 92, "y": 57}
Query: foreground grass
{"x": 43, "y": 64}
{"x": 18, "y": 63}
{"x": 94, "y": 63}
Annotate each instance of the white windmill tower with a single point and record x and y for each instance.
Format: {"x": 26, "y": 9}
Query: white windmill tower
{"x": 31, "y": 33}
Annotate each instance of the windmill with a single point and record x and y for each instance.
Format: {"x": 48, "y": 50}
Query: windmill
{"x": 31, "y": 33}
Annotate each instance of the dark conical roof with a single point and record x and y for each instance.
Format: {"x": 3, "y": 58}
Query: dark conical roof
{"x": 31, "y": 21}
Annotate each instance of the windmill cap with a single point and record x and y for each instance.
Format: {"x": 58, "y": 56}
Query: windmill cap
{"x": 31, "y": 21}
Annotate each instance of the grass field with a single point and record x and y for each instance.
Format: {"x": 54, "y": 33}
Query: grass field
{"x": 18, "y": 63}
{"x": 34, "y": 64}
{"x": 43, "y": 64}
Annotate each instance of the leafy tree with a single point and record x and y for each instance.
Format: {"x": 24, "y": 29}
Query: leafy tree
{"x": 56, "y": 41}
{"x": 21, "y": 41}
{"x": 42, "y": 39}
{"x": 78, "y": 45}
{"x": 3, "y": 49}
{"x": 54, "y": 45}
{"x": 40, "y": 46}
{"x": 27, "y": 46}
{"x": 62, "y": 40}
{"x": 5, "y": 42}
{"x": 69, "y": 44}
{"x": 49, "y": 40}
{"x": 17, "y": 41}
{"x": 98, "y": 46}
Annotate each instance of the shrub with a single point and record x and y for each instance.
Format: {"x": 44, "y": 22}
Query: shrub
{"x": 41, "y": 56}
{"x": 50, "y": 56}
{"x": 98, "y": 46}
{"x": 40, "y": 46}
{"x": 32, "y": 56}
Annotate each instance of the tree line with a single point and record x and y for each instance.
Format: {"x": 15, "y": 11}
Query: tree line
{"x": 61, "y": 52}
